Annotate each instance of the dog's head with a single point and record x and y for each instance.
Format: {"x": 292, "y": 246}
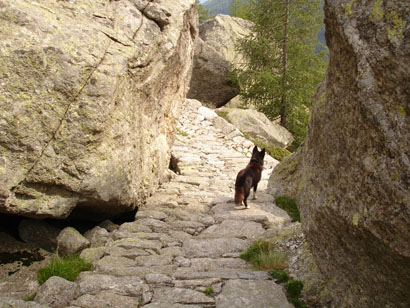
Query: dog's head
{"x": 258, "y": 156}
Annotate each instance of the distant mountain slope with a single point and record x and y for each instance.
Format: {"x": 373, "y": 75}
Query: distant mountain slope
{"x": 218, "y": 6}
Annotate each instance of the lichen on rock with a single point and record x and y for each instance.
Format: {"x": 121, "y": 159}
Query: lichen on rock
{"x": 354, "y": 167}
{"x": 90, "y": 92}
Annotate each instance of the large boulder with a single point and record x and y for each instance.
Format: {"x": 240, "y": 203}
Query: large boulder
{"x": 90, "y": 92}
{"x": 215, "y": 56}
{"x": 354, "y": 170}
{"x": 210, "y": 77}
{"x": 221, "y": 34}
{"x": 258, "y": 126}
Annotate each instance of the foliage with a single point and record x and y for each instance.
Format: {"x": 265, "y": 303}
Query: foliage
{"x": 280, "y": 276}
{"x": 224, "y": 115}
{"x": 240, "y": 8}
{"x": 263, "y": 256}
{"x": 289, "y": 205}
{"x": 279, "y": 78}
{"x": 217, "y": 6}
{"x": 294, "y": 290}
{"x": 209, "y": 291}
{"x": 30, "y": 298}
{"x": 203, "y": 13}
{"x": 68, "y": 268}
{"x": 273, "y": 150}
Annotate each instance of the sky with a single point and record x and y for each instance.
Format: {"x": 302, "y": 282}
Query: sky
{"x": 202, "y": 1}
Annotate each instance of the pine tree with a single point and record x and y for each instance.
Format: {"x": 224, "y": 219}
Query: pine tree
{"x": 282, "y": 67}
{"x": 202, "y": 12}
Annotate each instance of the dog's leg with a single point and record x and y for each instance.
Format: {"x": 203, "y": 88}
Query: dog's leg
{"x": 245, "y": 202}
{"x": 254, "y": 192}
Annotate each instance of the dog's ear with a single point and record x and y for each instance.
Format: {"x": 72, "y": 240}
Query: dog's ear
{"x": 255, "y": 149}
{"x": 263, "y": 152}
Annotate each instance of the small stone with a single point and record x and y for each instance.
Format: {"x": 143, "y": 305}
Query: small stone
{"x": 109, "y": 225}
{"x": 158, "y": 279}
{"x": 97, "y": 236}
{"x": 70, "y": 242}
{"x": 93, "y": 254}
{"x": 57, "y": 292}
{"x": 182, "y": 262}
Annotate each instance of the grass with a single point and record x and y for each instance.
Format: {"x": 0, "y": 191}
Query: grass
{"x": 289, "y": 205}
{"x": 263, "y": 256}
{"x": 30, "y": 298}
{"x": 209, "y": 291}
{"x": 68, "y": 268}
{"x": 182, "y": 133}
{"x": 224, "y": 115}
{"x": 276, "y": 152}
{"x": 279, "y": 275}
{"x": 294, "y": 291}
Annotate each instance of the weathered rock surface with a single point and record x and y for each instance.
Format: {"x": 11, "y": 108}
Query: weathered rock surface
{"x": 253, "y": 294}
{"x": 210, "y": 77}
{"x": 187, "y": 238}
{"x": 215, "y": 55}
{"x": 258, "y": 126}
{"x": 39, "y": 233}
{"x": 353, "y": 187}
{"x": 71, "y": 242}
{"x": 220, "y": 33}
{"x": 57, "y": 292}
{"x": 7, "y": 302}
{"x": 90, "y": 92}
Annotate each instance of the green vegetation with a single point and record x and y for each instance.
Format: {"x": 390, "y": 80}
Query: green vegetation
{"x": 30, "y": 298}
{"x": 209, "y": 291}
{"x": 202, "y": 12}
{"x": 68, "y": 268}
{"x": 280, "y": 276}
{"x": 224, "y": 115}
{"x": 240, "y": 8}
{"x": 217, "y": 6}
{"x": 294, "y": 290}
{"x": 182, "y": 133}
{"x": 289, "y": 205}
{"x": 273, "y": 150}
{"x": 263, "y": 256}
{"x": 282, "y": 67}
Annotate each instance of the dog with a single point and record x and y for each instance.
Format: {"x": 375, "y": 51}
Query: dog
{"x": 249, "y": 177}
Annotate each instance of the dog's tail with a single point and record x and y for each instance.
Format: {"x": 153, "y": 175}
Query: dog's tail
{"x": 239, "y": 194}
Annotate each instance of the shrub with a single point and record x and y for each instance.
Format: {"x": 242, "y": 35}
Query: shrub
{"x": 263, "y": 256}
{"x": 274, "y": 151}
{"x": 294, "y": 288}
{"x": 68, "y": 268}
{"x": 278, "y": 153}
{"x": 209, "y": 291}
{"x": 289, "y": 205}
{"x": 280, "y": 276}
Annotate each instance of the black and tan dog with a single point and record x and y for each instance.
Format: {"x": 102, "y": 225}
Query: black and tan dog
{"x": 249, "y": 177}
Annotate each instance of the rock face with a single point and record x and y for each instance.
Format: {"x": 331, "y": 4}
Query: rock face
{"x": 210, "y": 82}
{"x": 221, "y": 33}
{"x": 214, "y": 56}
{"x": 258, "y": 126}
{"x": 89, "y": 95}
{"x": 353, "y": 187}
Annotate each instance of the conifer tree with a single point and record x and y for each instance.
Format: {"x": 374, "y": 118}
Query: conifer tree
{"x": 282, "y": 66}
{"x": 202, "y": 12}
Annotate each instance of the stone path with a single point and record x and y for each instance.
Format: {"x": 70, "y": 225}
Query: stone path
{"x": 188, "y": 237}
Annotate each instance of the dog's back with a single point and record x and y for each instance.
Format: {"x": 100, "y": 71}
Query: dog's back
{"x": 249, "y": 177}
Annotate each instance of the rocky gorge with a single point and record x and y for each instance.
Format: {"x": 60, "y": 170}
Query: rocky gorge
{"x": 93, "y": 114}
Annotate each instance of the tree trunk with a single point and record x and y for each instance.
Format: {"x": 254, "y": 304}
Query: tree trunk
{"x": 284, "y": 108}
